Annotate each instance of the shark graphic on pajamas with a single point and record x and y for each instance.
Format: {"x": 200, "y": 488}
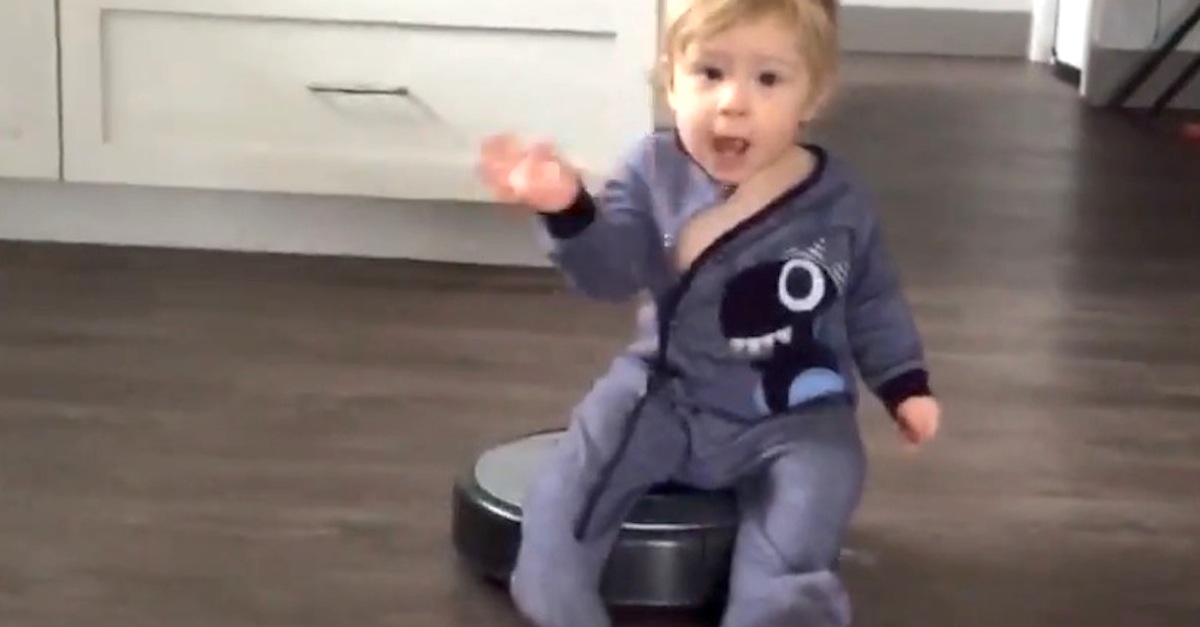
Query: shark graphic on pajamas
{"x": 742, "y": 375}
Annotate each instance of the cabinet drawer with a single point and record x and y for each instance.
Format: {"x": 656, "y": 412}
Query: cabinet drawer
{"x": 345, "y": 97}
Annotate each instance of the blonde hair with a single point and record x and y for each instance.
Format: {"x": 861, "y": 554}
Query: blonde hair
{"x": 815, "y": 22}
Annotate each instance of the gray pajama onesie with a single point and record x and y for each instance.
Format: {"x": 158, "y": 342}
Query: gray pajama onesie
{"x": 742, "y": 375}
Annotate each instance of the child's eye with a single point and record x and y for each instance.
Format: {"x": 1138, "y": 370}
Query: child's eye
{"x": 769, "y": 79}
{"x": 711, "y": 73}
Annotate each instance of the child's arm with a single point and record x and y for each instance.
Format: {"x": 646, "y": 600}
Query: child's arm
{"x": 883, "y": 333}
{"x": 603, "y": 241}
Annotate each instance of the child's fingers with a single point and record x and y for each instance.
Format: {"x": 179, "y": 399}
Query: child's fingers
{"x": 496, "y": 180}
{"x": 918, "y": 432}
{"x": 502, "y": 148}
{"x": 489, "y": 170}
{"x": 550, "y": 172}
{"x": 499, "y": 156}
{"x": 542, "y": 151}
{"x": 519, "y": 176}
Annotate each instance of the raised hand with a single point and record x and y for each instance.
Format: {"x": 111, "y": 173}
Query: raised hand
{"x": 535, "y": 176}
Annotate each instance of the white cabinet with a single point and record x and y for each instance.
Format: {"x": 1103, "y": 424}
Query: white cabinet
{"x": 28, "y": 90}
{"x": 362, "y": 97}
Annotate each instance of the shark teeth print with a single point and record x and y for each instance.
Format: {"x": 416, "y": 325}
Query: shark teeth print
{"x": 762, "y": 345}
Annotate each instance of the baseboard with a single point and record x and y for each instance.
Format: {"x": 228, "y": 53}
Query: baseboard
{"x": 1066, "y": 73}
{"x": 942, "y": 32}
{"x": 1108, "y": 67}
{"x": 256, "y": 222}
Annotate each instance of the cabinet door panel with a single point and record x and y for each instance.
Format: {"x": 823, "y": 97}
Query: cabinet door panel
{"x": 28, "y": 90}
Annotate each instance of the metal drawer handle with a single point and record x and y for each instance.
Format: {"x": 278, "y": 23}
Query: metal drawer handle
{"x": 396, "y": 92}
{"x": 318, "y": 88}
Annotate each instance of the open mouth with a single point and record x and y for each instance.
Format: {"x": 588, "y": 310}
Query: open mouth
{"x": 762, "y": 345}
{"x": 727, "y": 146}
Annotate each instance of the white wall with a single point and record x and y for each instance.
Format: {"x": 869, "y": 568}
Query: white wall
{"x": 973, "y": 5}
{"x": 1131, "y": 24}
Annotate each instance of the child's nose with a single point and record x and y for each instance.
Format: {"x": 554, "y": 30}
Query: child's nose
{"x": 733, "y": 99}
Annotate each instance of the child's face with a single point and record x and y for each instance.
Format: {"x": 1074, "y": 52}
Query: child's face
{"x": 740, "y": 98}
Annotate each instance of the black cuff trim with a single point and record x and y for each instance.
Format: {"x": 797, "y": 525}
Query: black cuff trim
{"x": 574, "y": 219}
{"x": 904, "y": 386}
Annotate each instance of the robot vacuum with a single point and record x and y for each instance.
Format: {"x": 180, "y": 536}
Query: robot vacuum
{"x": 673, "y": 551}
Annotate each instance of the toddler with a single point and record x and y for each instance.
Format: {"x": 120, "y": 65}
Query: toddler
{"x": 769, "y": 292}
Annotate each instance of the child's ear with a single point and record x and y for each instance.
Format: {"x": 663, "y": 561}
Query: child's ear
{"x": 663, "y": 71}
{"x": 817, "y": 103}
{"x": 663, "y": 80}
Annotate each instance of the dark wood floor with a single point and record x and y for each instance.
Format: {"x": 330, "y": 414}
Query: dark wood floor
{"x": 192, "y": 439}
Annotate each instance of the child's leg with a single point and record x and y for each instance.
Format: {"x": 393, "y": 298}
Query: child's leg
{"x": 557, "y": 578}
{"x": 794, "y": 516}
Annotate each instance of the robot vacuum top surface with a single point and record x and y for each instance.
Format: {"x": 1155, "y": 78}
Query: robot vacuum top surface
{"x": 505, "y": 470}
